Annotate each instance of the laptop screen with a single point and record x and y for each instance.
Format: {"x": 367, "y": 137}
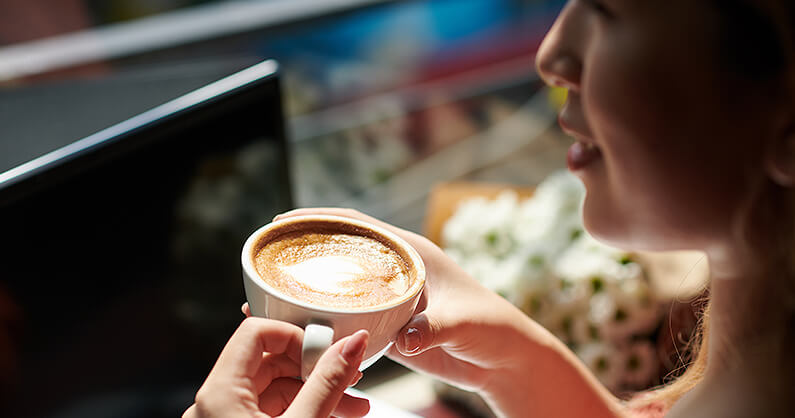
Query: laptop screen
{"x": 120, "y": 274}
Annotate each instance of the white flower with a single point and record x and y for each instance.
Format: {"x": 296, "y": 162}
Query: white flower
{"x": 569, "y": 296}
{"x": 562, "y": 190}
{"x": 536, "y": 254}
{"x": 605, "y": 361}
{"x": 483, "y": 226}
{"x": 583, "y": 331}
{"x": 459, "y": 230}
{"x": 602, "y": 310}
{"x": 565, "y": 307}
{"x": 515, "y": 278}
{"x": 552, "y": 215}
{"x": 619, "y": 317}
{"x": 641, "y": 364}
{"x": 537, "y": 306}
{"x": 587, "y": 258}
{"x": 558, "y": 322}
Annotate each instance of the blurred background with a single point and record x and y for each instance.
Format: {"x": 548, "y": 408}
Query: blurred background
{"x": 371, "y": 88}
{"x": 381, "y": 100}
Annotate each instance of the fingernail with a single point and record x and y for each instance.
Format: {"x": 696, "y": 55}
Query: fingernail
{"x": 356, "y": 379}
{"x": 411, "y": 340}
{"x": 354, "y": 347}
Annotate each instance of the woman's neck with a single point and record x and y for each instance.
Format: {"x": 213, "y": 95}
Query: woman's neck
{"x": 751, "y": 336}
{"x": 747, "y": 313}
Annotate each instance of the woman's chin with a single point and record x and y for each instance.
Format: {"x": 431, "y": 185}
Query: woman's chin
{"x": 618, "y": 232}
{"x": 627, "y": 238}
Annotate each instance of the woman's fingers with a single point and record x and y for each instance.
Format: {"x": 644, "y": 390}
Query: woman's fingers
{"x": 190, "y": 412}
{"x": 351, "y": 406}
{"x": 242, "y": 357}
{"x": 246, "y": 309}
{"x": 274, "y": 366}
{"x": 281, "y": 393}
{"x": 274, "y": 401}
{"x": 335, "y": 370}
{"x": 424, "y": 332}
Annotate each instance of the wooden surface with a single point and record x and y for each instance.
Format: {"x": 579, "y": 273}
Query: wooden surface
{"x": 679, "y": 275}
{"x": 445, "y": 198}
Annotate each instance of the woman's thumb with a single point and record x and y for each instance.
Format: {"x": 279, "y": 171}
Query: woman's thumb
{"x": 334, "y": 371}
{"x": 422, "y": 333}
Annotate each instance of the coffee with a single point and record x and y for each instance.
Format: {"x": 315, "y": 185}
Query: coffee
{"x": 332, "y": 276}
{"x": 334, "y": 266}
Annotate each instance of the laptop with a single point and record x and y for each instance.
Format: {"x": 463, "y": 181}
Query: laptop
{"x": 120, "y": 279}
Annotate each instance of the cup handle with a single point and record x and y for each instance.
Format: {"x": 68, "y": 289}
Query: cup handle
{"x": 317, "y": 339}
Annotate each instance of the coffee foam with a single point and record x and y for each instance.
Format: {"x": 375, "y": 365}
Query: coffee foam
{"x": 329, "y": 274}
{"x": 334, "y": 269}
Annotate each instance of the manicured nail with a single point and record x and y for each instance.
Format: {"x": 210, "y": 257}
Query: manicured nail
{"x": 354, "y": 347}
{"x": 411, "y": 340}
{"x": 356, "y": 379}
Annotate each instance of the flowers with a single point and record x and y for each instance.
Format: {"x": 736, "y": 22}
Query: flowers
{"x": 536, "y": 254}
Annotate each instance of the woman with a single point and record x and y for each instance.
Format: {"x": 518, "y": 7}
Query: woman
{"x": 683, "y": 113}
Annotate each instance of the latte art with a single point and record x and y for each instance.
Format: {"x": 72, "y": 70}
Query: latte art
{"x": 334, "y": 269}
{"x": 331, "y": 274}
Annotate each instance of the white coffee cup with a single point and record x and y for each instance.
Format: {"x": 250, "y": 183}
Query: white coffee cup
{"x": 324, "y": 325}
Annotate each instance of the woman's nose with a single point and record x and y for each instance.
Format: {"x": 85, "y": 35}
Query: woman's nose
{"x": 558, "y": 59}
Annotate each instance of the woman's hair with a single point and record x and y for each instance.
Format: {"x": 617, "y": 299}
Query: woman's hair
{"x": 757, "y": 43}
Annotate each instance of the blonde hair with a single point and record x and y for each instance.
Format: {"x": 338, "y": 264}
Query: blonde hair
{"x": 694, "y": 364}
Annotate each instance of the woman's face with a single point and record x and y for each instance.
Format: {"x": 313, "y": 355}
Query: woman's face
{"x": 668, "y": 141}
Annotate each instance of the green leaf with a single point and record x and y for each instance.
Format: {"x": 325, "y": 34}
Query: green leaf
{"x": 597, "y": 284}
{"x": 491, "y": 238}
{"x": 536, "y": 261}
{"x": 593, "y": 331}
{"x": 602, "y": 364}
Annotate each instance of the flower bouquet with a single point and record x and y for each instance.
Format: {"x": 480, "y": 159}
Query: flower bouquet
{"x": 535, "y": 252}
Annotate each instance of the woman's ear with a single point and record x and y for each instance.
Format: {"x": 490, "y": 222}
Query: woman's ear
{"x": 780, "y": 157}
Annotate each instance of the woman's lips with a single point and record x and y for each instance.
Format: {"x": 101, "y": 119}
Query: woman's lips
{"x": 583, "y": 152}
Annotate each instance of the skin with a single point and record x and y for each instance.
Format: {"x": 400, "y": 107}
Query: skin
{"x": 471, "y": 337}
{"x": 657, "y": 112}
{"x": 686, "y": 146}
{"x": 254, "y": 376}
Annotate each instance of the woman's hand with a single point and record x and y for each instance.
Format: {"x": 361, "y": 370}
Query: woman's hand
{"x": 463, "y": 333}
{"x": 471, "y": 337}
{"x": 254, "y": 376}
